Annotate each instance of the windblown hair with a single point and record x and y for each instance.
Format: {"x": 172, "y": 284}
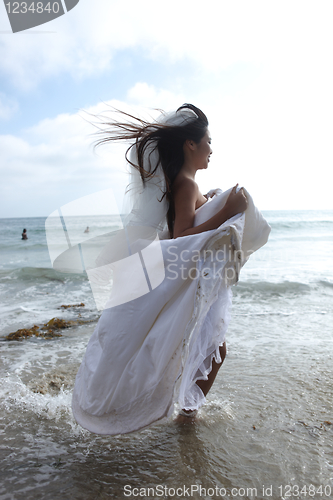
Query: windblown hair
{"x": 167, "y": 139}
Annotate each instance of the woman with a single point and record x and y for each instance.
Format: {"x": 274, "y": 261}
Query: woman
{"x": 187, "y": 198}
{"x": 168, "y": 344}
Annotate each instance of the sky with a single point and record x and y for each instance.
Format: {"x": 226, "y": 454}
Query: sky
{"x": 262, "y": 71}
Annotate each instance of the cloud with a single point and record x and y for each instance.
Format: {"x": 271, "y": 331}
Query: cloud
{"x": 8, "y": 107}
{"x": 147, "y": 95}
{"x": 54, "y": 162}
{"x": 272, "y": 137}
{"x": 271, "y": 132}
{"x": 87, "y": 38}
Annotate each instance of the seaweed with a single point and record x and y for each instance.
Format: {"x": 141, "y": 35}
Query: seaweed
{"x": 23, "y": 333}
{"x": 72, "y": 305}
{"x": 48, "y": 331}
{"x": 51, "y": 329}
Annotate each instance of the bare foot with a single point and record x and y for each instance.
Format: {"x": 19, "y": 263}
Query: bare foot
{"x": 186, "y": 417}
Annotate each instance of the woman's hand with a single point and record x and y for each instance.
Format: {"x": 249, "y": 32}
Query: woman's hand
{"x": 185, "y": 199}
{"x": 212, "y": 193}
{"x": 236, "y": 202}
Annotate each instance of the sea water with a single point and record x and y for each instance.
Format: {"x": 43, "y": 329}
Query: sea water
{"x": 266, "y": 431}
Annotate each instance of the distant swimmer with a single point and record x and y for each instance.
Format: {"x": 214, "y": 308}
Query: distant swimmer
{"x": 24, "y": 235}
{"x": 87, "y": 230}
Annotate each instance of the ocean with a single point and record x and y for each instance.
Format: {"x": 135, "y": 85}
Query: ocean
{"x": 266, "y": 431}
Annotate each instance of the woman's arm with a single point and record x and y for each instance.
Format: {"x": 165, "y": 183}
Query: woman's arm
{"x": 185, "y": 198}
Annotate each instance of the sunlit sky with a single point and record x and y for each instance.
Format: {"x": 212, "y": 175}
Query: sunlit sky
{"x": 262, "y": 71}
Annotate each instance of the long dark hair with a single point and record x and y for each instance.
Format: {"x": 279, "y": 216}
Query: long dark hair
{"x": 167, "y": 139}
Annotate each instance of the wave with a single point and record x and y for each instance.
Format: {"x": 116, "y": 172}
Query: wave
{"x": 39, "y": 274}
{"x": 19, "y": 247}
{"x": 247, "y": 286}
{"x": 295, "y": 225}
{"x": 326, "y": 284}
{"x": 270, "y": 289}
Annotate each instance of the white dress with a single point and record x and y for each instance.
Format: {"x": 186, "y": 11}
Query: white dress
{"x": 147, "y": 354}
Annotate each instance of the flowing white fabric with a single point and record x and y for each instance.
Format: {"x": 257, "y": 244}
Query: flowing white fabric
{"x": 147, "y": 354}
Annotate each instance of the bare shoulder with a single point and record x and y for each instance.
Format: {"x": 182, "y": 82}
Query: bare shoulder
{"x": 184, "y": 187}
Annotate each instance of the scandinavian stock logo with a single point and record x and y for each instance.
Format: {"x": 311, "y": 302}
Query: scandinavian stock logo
{"x": 123, "y": 262}
{"x": 25, "y": 15}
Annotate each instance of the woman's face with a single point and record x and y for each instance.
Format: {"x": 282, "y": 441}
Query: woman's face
{"x": 203, "y": 151}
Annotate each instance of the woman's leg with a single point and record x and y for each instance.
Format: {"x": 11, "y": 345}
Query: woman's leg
{"x": 205, "y": 385}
